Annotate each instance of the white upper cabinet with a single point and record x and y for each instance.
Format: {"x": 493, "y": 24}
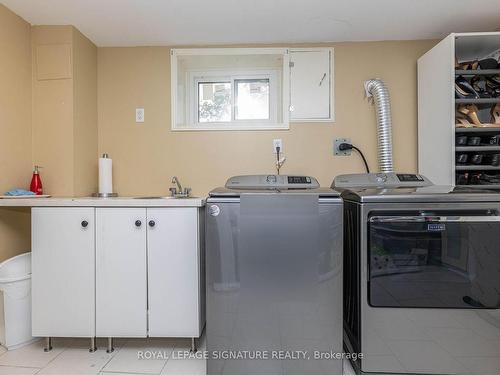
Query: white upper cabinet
{"x": 311, "y": 85}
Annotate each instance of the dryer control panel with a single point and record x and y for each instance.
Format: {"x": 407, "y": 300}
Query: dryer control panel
{"x": 380, "y": 181}
{"x": 272, "y": 181}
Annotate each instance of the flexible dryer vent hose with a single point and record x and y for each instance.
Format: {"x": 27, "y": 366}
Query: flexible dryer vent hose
{"x": 376, "y": 89}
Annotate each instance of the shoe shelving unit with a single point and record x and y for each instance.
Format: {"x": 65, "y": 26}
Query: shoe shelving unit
{"x": 437, "y": 149}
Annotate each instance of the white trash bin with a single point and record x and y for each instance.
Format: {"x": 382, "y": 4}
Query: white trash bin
{"x": 15, "y": 301}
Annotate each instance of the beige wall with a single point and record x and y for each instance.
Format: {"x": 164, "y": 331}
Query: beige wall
{"x": 145, "y": 156}
{"x": 84, "y": 115}
{"x": 48, "y": 116}
{"x": 53, "y": 110}
{"x": 65, "y": 110}
{"x": 15, "y": 127}
{"x": 63, "y": 117}
{"x": 67, "y": 115}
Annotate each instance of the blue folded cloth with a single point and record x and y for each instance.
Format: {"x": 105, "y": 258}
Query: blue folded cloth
{"x": 18, "y": 192}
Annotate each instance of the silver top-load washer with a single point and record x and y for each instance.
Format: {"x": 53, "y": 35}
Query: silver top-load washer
{"x": 274, "y": 277}
{"x": 422, "y": 276}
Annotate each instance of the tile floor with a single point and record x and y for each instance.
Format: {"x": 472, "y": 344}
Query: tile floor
{"x": 71, "y": 357}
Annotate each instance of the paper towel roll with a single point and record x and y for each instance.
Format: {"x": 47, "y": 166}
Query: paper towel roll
{"x": 105, "y": 175}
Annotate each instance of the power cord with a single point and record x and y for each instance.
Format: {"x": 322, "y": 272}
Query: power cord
{"x": 348, "y": 146}
{"x": 279, "y": 160}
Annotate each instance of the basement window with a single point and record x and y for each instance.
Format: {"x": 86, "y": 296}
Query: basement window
{"x": 239, "y": 99}
{"x": 230, "y": 89}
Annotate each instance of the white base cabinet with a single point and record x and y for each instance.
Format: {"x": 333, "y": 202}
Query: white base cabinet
{"x": 121, "y": 278}
{"x": 173, "y": 272}
{"x": 128, "y": 272}
{"x": 63, "y": 272}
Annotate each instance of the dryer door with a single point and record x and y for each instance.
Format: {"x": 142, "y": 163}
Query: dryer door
{"x": 439, "y": 260}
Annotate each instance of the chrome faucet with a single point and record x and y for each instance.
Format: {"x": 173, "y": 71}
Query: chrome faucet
{"x": 178, "y": 191}
{"x": 175, "y": 180}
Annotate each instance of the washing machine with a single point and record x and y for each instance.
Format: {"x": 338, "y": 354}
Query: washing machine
{"x": 421, "y": 276}
{"x": 274, "y": 277}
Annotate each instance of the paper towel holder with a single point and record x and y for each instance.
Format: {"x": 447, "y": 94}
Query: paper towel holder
{"x": 105, "y": 195}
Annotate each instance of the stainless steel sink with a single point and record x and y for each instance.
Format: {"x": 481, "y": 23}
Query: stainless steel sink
{"x": 177, "y": 196}
{"x": 153, "y": 197}
{"x": 176, "y": 192}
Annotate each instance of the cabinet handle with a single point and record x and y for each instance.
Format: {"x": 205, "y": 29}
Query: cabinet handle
{"x": 85, "y": 223}
{"x": 152, "y": 223}
{"x": 138, "y": 223}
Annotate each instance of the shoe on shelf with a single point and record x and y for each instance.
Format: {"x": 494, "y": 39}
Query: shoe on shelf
{"x": 470, "y": 112}
{"x": 486, "y": 179}
{"x": 489, "y": 63}
{"x": 462, "y": 179}
{"x": 476, "y": 159}
{"x": 464, "y": 90}
{"x": 492, "y": 159}
{"x": 461, "y": 140}
{"x": 493, "y": 140}
{"x": 494, "y": 79}
{"x": 479, "y": 85}
{"x": 493, "y": 90}
{"x": 493, "y": 85}
{"x": 474, "y": 141}
{"x": 466, "y": 65}
{"x": 462, "y": 158}
{"x": 461, "y": 121}
{"x": 495, "y": 114}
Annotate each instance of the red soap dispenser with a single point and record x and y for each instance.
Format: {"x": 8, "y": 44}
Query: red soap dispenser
{"x": 36, "y": 181}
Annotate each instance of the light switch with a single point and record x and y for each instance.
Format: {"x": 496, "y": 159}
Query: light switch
{"x": 139, "y": 115}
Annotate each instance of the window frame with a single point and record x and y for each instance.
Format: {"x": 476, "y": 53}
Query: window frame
{"x": 278, "y": 90}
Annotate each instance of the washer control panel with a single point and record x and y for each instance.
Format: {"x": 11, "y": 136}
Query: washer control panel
{"x": 272, "y": 181}
{"x": 409, "y": 177}
{"x": 380, "y": 180}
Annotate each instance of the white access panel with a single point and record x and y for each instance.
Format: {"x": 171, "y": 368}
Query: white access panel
{"x": 63, "y": 272}
{"x": 311, "y": 82}
{"x": 174, "y": 272}
{"x": 121, "y": 281}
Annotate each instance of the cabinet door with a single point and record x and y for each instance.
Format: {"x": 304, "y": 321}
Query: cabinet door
{"x": 310, "y": 85}
{"x": 63, "y": 272}
{"x": 121, "y": 289}
{"x": 173, "y": 272}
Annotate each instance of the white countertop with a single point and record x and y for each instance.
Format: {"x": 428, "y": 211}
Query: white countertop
{"x": 102, "y": 202}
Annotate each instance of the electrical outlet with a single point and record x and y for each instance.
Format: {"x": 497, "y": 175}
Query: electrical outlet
{"x": 139, "y": 115}
{"x": 336, "y": 150}
{"x": 277, "y": 143}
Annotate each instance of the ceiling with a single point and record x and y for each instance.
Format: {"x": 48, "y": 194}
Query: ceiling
{"x": 209, "y": 22}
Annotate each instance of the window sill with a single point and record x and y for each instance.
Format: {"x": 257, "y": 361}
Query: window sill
{"x": 231, "y": 127}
